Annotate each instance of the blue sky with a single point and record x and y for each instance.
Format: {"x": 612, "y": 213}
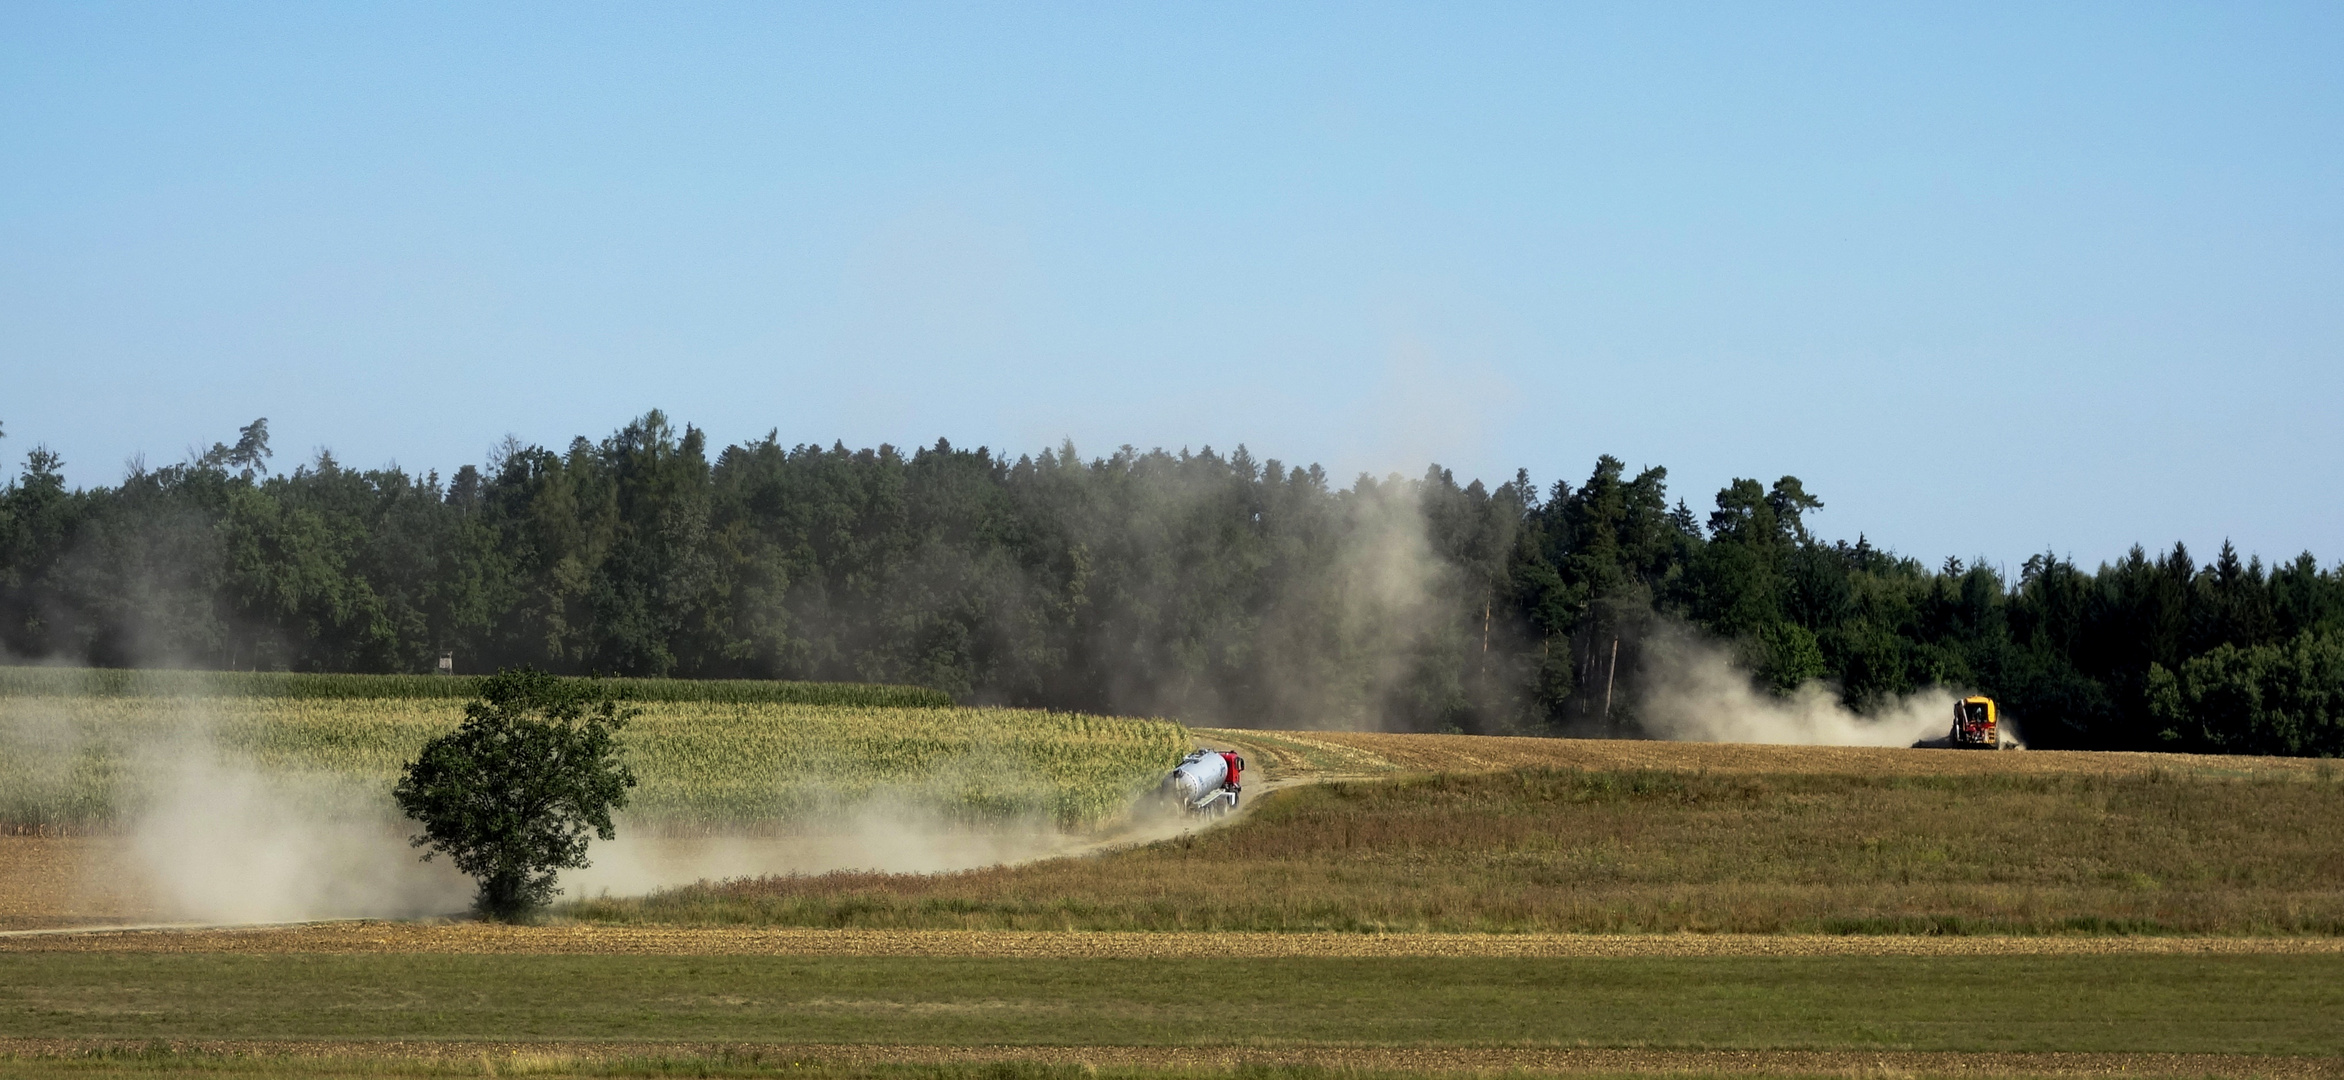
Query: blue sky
{"x": 1990, "y": 279}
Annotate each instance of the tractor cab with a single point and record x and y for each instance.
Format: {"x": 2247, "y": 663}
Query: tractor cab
{"x": 1974, "y": 723}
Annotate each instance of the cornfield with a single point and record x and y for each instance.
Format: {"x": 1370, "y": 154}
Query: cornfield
{"x": 118, "y": 682}
{"x": 80, "y": 762}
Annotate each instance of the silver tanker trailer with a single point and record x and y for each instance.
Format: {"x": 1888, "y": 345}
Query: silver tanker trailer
{"x": 1206, "y": 782}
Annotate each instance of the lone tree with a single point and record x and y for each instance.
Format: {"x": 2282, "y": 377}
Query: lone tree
{"x": 511, "y": 796}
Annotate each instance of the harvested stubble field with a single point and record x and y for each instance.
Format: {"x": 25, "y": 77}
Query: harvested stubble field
{"x": 1733, "y": 839}
{"x": 1361, "y": 755}
{"x": 74, "y": 762}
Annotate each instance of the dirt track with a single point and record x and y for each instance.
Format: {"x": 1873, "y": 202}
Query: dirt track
{"x": 472, "y": 937}
{"x": 63, "y": 881}
{"x": 548, "y": 1057}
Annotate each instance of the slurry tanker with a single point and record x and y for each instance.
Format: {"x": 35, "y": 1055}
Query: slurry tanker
{"x": 1206, "y": 782}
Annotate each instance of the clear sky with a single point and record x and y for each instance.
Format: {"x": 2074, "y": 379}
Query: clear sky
{"x": 1990, "y": 279}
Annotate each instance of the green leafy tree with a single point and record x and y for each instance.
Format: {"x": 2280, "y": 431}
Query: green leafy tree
{"x": 1786, "y": 657}
{"x": 513, "y": 796}
{"x": 2266, "y": 699}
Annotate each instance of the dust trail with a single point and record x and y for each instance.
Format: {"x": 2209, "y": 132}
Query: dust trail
{"x": 1339, "y": 645}
{"x": 1693, "y": 691}
{"x": 197, "y": 824}
{"x": 916, "y": 826}
{"x": 219, "y": 841}
{"x": 882, "y": 833}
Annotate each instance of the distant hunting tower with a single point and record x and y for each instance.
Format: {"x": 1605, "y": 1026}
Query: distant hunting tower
{"x": 447, "y": 664}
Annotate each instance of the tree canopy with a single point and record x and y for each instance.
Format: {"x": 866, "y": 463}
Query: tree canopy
{"x": 1214, "y": 587}
{"x": 514, "y": 794}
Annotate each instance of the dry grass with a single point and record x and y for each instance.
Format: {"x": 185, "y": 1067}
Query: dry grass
{"x": 1550, "y": 850}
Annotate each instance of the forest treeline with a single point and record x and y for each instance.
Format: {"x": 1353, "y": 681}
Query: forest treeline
{"x": 1216, "y": 588}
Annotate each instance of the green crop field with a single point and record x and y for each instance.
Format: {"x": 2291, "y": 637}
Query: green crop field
{"x": 707, "y": 763}
{"x": 121, "y": 682}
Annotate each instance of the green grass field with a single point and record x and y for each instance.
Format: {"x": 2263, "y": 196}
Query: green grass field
{"x": 1563, "y": 850}
{"x": 2229, "y": 1004}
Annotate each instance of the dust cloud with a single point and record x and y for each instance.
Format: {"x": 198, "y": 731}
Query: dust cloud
{"x": 201, "y": 833}
{"x": 216, "y": 841}
{"x": 220, "y": 842}
{"x": 1693, "y": 691}
{"x": 901, "y": 827}
{"x": 1339, "y": 644}
{"x": 881, "y": 833}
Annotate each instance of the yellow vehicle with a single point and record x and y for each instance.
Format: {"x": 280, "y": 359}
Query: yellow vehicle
{"x": 1976, "y": 724}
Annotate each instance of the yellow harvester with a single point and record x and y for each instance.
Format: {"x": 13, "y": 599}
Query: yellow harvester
{"x": 1976, "y": 725}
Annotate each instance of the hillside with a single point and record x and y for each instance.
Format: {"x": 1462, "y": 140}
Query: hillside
{"x": 1523, "y": 835}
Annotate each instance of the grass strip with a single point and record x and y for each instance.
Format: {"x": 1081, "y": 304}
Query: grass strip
{"x": 2105, "y": 1004}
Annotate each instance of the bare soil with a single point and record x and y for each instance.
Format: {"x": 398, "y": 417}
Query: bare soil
{"x": 62, "y": 881}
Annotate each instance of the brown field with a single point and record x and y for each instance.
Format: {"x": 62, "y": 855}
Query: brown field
{"x": 1317, "y": 755}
